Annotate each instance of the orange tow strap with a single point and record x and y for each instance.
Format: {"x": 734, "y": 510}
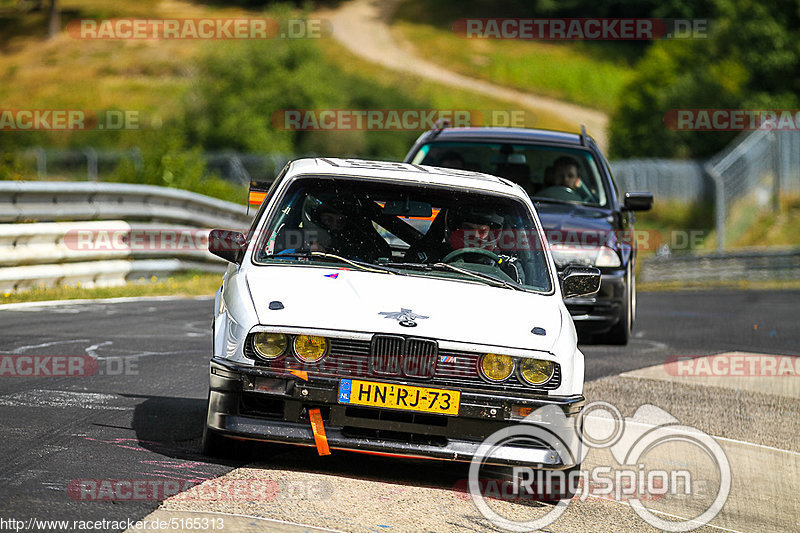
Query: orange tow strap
{"x": 319, "y": 432}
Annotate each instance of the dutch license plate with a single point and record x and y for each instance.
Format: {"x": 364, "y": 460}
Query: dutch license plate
{"x": 370, "y": 393}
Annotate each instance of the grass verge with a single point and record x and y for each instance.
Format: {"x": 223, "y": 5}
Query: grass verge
{"x": 565, "y": 71}
{"x": 188, "y": 284}
{"x": 436, "y": 95}
{"x": 761, "y": 285}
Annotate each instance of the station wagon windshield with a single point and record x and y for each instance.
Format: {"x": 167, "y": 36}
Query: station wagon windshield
{"x": 546, "y": 173}
{"x": 396, "y": 228}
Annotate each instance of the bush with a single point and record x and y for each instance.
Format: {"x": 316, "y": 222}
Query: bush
{"x": 241, "y": 85}
{"x": 749, "y": 61}
{"x": 168, "y": 162}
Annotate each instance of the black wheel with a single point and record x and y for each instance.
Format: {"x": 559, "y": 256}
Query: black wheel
{"x": 556, "y": 488}
{"x": 216, "y": 445}
{"x": 620, "y": 333}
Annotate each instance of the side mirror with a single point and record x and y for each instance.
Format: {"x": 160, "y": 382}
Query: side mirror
{"x": 638, "y": 201}
{"x": 229, "y": 245}
{"x": 579, "y": 281}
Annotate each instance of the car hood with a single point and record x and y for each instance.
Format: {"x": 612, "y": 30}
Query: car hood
{"x": 564, "y": 217}
{"x": 351, "y": 300}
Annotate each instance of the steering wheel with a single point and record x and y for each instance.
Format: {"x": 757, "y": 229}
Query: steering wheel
{"x": 560, "y": 192}
{"x": 479, "y": 252}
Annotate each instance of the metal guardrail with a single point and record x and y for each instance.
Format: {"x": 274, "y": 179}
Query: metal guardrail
{"x": 105, "y": 233}
{"x": 746, "y": 265}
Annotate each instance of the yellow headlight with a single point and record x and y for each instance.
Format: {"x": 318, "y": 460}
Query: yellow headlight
{"x": 310, "y": 348}
{"x": 496, "y": 367}
{"x": 270, "y": 345}
{"x": 536, "y": 371}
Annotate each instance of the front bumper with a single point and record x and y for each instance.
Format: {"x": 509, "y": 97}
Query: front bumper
{"x": 600, "y": 312}
{"x": 254, "y": 403}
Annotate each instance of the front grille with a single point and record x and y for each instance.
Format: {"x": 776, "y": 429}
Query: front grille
{"x": 393, "y": 356}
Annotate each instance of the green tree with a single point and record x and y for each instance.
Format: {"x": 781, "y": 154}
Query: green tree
{"x": 750, "y": 60}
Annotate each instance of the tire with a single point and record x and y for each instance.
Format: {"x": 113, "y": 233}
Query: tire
{"x": 553, "y": 495}
{"x": 620, "y": 333}
{"x": 216, "y": 445}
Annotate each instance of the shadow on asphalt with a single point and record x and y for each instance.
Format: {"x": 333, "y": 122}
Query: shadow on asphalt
{"x": 173, "y": 427}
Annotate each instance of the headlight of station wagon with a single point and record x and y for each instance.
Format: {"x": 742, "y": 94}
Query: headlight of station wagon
{"x": 310, "y": 348}
{"x": 599, "y": 256}
{"x": 270, "y": 345}
{"x": 496, "y": 367}
{"x": 536, "y": 371}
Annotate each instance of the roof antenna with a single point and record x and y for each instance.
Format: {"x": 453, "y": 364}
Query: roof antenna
{"x": 584, "y": 142}
{"x": 441, "y": 124}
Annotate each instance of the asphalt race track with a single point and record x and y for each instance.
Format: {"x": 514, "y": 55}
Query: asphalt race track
{"x": 139, "y": 416}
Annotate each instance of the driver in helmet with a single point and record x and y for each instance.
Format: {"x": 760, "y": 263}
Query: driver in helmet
{"x": 470, "y": 228}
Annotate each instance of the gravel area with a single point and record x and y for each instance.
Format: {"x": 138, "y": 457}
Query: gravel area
{"x": 360, "y": 493}
{"x": 733, "y": 414}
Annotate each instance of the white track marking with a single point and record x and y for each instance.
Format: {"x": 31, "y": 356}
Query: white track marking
{"x": 62, "y": 399}
{"x": 51, "y": 303}
{"x": 25, "y": 348}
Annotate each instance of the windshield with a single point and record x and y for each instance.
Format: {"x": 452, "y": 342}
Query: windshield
{"x": 397, "y": 228}
{"x": 547, "y": 173}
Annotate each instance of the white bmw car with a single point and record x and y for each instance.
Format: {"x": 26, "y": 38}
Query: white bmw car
{"x": 392, "y": 308}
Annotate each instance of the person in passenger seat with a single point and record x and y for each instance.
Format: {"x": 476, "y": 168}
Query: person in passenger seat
{"x": 351, "y": 236}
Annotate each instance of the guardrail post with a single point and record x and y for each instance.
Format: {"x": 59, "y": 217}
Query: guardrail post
{"x": 91, "y": 163}
{"x": 777, "y": 171}
{"x": 719, "y": 204}
{"x": 41, "y": 162}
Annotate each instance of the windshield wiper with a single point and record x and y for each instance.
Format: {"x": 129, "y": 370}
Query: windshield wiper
{"x": 445, "y": 266}
{"x": 483, "y": 277}
{"x": 410, "y": 266}
{"x": 362, "y": 265}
